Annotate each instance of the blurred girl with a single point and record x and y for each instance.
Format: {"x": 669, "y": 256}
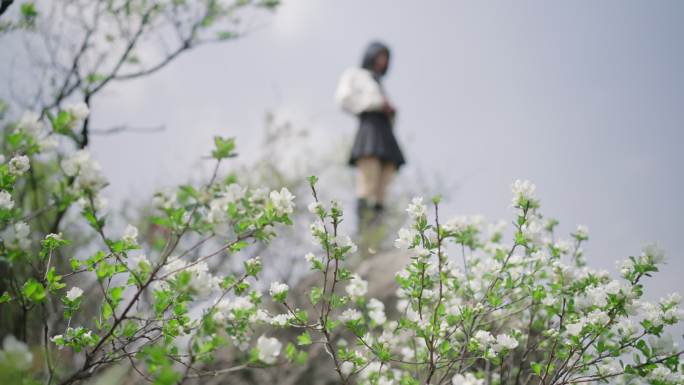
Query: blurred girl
{"x": 375, "y": 152}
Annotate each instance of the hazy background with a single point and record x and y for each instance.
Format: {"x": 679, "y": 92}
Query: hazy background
{"x": 585, "y": 98}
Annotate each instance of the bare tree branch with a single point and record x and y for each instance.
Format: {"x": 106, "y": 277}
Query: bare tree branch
{"x": 124, "y": 128}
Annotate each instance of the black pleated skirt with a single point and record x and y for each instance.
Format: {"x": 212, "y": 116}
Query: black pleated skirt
{"x": 375, "y": 138}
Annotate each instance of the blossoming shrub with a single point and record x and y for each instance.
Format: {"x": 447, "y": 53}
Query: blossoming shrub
{"x": 143, "y": 302}
{"x": 526, "y": 311}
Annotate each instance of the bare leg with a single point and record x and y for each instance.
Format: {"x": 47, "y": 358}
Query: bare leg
{"x": 368, "y": 178}
{"x": 387, "y": 173}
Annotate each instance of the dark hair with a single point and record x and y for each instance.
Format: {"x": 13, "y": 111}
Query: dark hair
{"x": 374, "y": 50}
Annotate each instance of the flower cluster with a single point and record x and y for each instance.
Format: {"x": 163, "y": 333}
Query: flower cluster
{"x": 513, "y": 305}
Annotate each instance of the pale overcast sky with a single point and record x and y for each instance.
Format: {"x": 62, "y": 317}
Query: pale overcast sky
{"x": 585, "y": 98}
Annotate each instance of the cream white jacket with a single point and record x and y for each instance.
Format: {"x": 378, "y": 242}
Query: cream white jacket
{"x": 357, "y": 92}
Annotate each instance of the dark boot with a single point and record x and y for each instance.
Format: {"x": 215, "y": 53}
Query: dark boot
{"x": 361, "y": 209}
{"x": 378, "y": 210}
{"x": 365, "y": 213}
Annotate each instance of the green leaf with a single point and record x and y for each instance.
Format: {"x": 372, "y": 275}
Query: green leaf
{"x": 61, "y": 123}
{"x": 53, "y": 280}
{"x": 5, "y": 297}
{"x": 94, "y": 78}
{"x": 315, "y": 295}
{"x": 226, "y": 35}
{"x": 304, "y": 339}
{"x": 28, "y": 11}
{"x": 34, "y": 291}
{"x": 536, "y": 368}
{"x": 223, "y": 148}
{"x": 116, "y": 295}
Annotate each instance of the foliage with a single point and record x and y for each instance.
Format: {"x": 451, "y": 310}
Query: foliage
{"x": 526, "y": 312}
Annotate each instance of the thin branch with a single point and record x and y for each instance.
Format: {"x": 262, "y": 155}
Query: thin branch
{"x": 124, "y": 128}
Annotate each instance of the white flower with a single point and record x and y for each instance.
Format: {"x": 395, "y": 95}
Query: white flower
{"x": 260, "y": 316}
{"x": 456, "y": 224}
{"x": 533, "y": 231}
{"x": 22, "y": 229}
{"x": 72, "y": 164}
{"x": 225, "y": 308}
{"x": 673, "y": 299}
{"x": 343, "y": 240}
{"x": 130, "y": 235}
{"x": 564, "y": 246}
{"x": 314, "y": 207}
{"x": 592, "y": 296}
{"x": 279, "y": 320}
{"x": 372, "y": 368}
{"x": 497, "y": 228}
{"x": 655, "y": 253}
{"x": 317, "y": 228}
{"x": 78, "y": 111}
{"x": 484, "y": 337}
{"x": 467, "y": 379}
{"x": 202, "y": 281}
{"x": 406, "y": 237}
{"x": 54, "y": 237}
{"x": 47, "y": 143}
{"x": 19, "y": 165}
{"x": 548, "y": 301}
{"x": 575, "y": 329}
{"x": 662, "y": 374}
{"x": 357, "y": 287}
{"x": 582, "y": 231}
{"x": 15, "y": 353}
{"x": 663, "y": 345}
{"x": 164, "y": 199}
{"x": 269, "y": 349}
{"x": 30, "y": 124}
{"x": 347, "y": 367}
{"x": 626, "y": 327}
{"x": 283, "y": 201}
{"x": 350, "y": 315}
{"x": 253, "y": 264}
{"x": 421, "y": 252}
{"x": 56, "y": 338}
{"x": 416, "y": 208}
{"x": 278, "y": 289}
{"x": 504, "y": 341}
{"x": 376, "y": 311}
{"x": 310, "y": 257}
{"x": 86, "y": 170}
{"x": 523, "y": 189}
{"x": 6, "y": 201}
{"x": 234, "y": 192}
{"x": 17, "y": 234}
{"x": 598, "y": 317}
{"x": 242, "y": 303}
{"x": 651, "y": 313}
{"x": 137, "y": 261}
{"x": 672, "y": 315}
{"x": 98, "y": 203}
{"x": 613, "y": 287}
{"x": 609, "y": 367}
{"x": 218, "y": 207}
{"x": 74, "y": 293}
